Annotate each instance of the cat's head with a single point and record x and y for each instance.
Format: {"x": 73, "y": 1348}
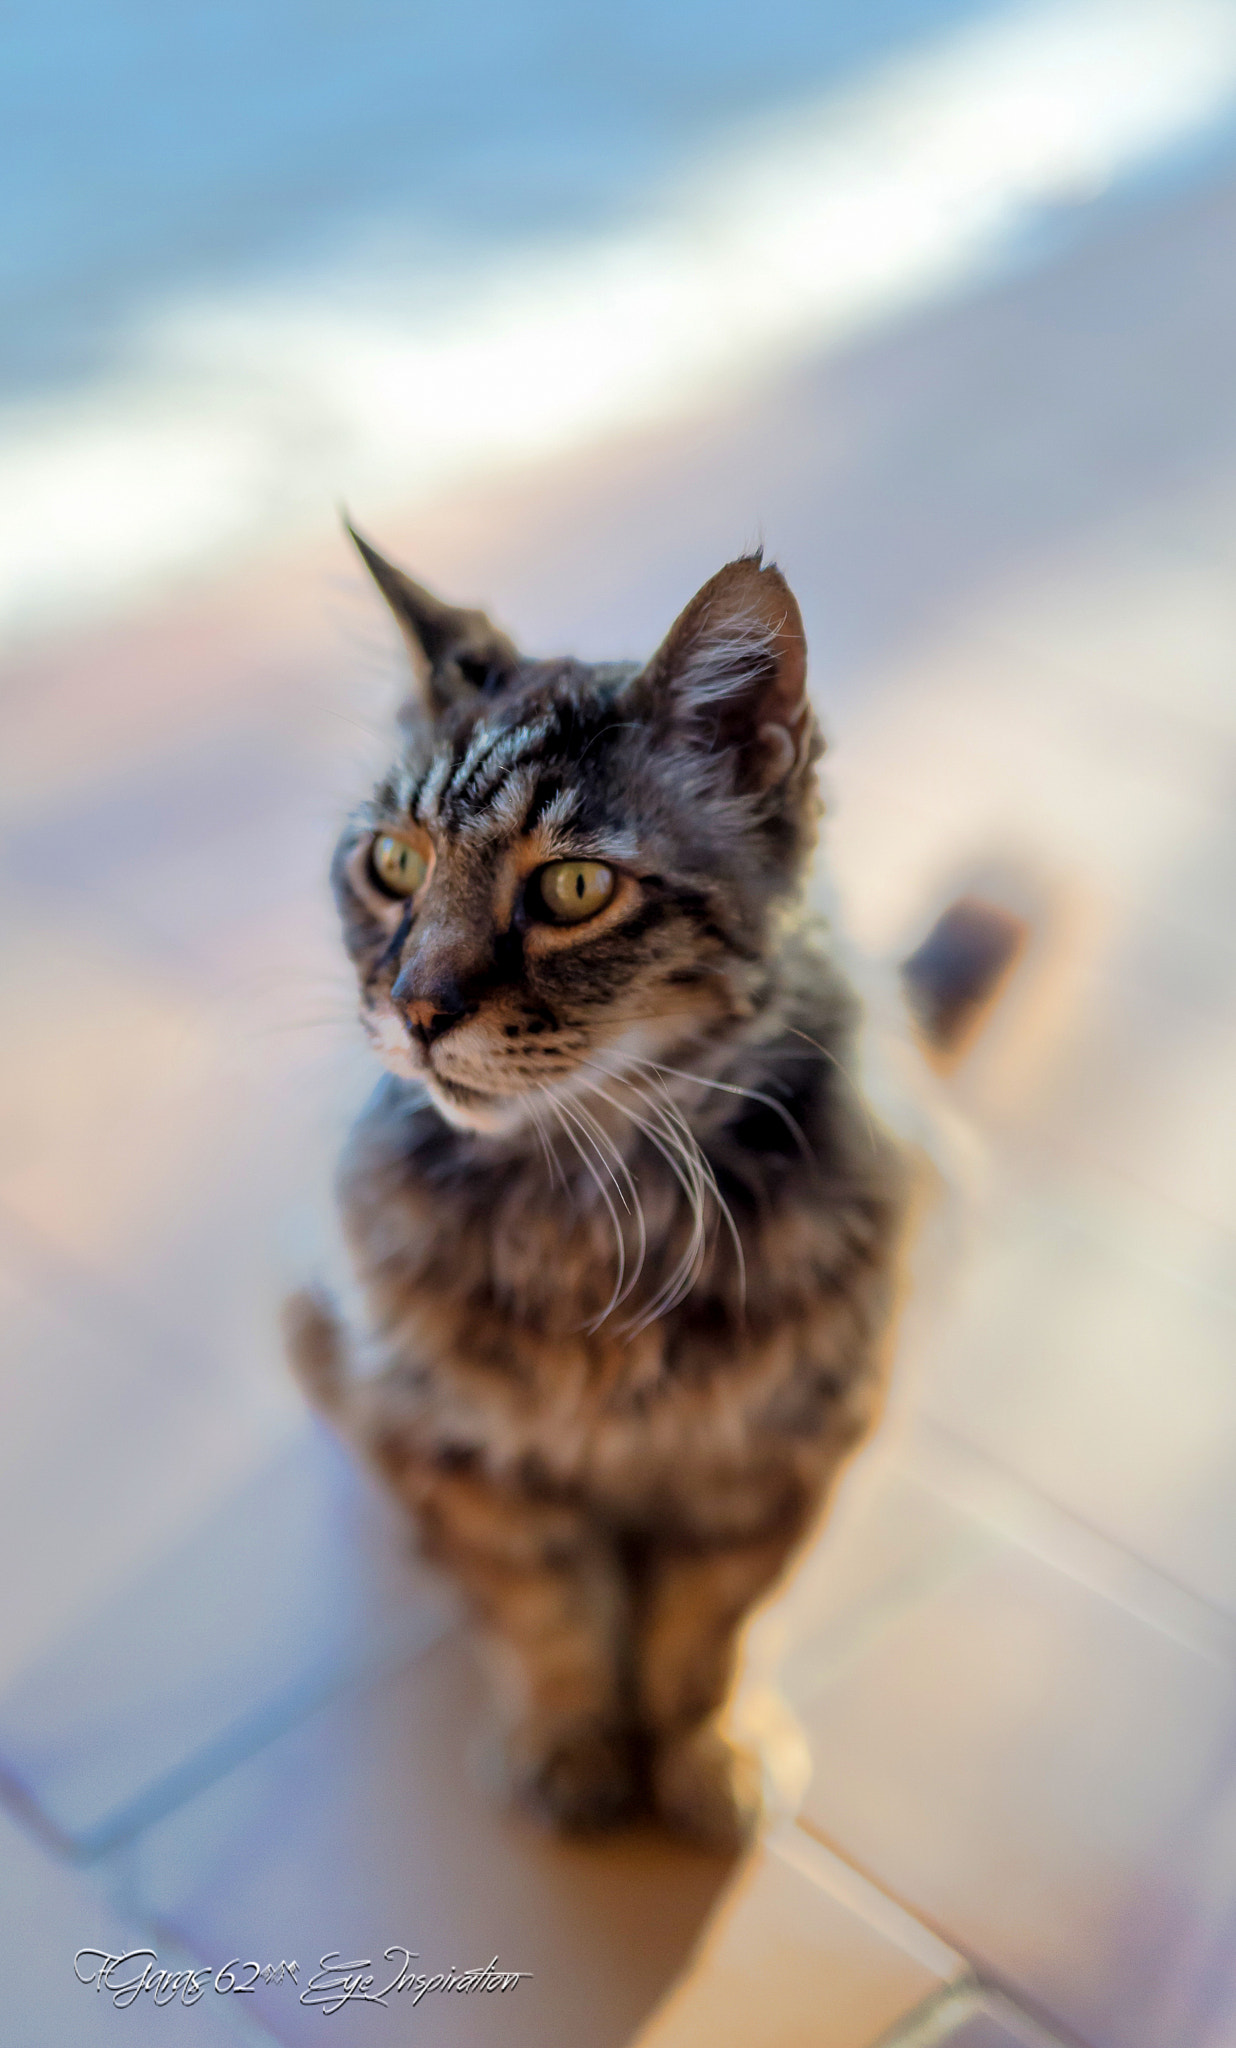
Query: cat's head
{"x": 572, "y": 868}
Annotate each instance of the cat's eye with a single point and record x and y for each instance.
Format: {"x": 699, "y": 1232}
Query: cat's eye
{"x": 568, "y": 891}
{"x": 396, "y": 866}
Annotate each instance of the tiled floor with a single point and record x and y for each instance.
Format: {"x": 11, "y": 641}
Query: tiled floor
{"x": 1047, "y": 1775}
{"x": 369, "y": 1824}
{"x": 51, "y": 1914}
{"x": 222, "y": 1682}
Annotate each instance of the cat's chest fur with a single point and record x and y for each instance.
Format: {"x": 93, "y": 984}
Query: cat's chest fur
{"x": 494, "y": 1282}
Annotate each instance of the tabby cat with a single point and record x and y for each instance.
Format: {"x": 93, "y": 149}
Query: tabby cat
{"x": 625, "y": 1231}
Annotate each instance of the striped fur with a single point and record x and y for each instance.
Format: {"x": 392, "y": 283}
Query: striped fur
{"x": 625, "y": 1229}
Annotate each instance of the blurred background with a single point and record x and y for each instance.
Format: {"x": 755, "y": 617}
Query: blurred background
{"x": 939, "y": 302}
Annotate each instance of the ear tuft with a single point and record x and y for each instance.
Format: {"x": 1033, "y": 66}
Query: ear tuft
{"x": 456, "y": 655}
{"x": 733, "y": 669}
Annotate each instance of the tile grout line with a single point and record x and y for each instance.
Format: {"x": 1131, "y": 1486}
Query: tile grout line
{"x": 932, "y": 1940}
{"x": 245, "y": 1739}
{"x": 1059, "y": 1537}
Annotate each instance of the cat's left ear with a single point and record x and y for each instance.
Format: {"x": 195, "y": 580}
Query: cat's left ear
{"x": 732, "y": 672}
{"x": 457, "y": 655}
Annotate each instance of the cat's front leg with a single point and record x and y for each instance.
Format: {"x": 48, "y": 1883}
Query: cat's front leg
{"x": 539, "y": 1577}
{"x": 545, "y": 1587}
{"x": 695, "y": 1601}
{"x": 317, "y": 1347}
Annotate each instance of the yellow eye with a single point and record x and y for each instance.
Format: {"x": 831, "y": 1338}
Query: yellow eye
{"x": 572, "y": 890}
{"x": 396, "y": 866}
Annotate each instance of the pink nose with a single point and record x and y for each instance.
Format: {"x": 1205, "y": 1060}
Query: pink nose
{"x": 429, "y": 1022}
{"x": 431, "y": 1003}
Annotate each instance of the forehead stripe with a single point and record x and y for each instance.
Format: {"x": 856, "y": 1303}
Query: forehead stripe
{"x": 482, "y": 743}
{"x": 510, "y": 750}
{"x": 431, "y": 788}
{"x": 552, "y": 807}
{"x": 506, "y": 810}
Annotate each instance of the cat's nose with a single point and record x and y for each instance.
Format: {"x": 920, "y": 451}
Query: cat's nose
{"x": 430, "y": 1008}
{"x": 430, "y": 1023}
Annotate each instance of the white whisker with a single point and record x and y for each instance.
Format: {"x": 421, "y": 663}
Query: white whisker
{"x": 556, "y": 1176}
{"x": 566, "y": 1118}
{"x": 709, "y": 1180}
{"x": 682, "y": 1166}
{"x": 634, "y": 1207}
{"x": 857, "y": 1092}
{"x": 752, "y": 1094}
{"x": 669, "y": 1133}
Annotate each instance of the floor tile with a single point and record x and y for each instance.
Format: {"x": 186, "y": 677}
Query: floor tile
{"x": 208, "y": 859}
{"x": 1146, "y": 1091}
{"x": 51, "y": 1913}
{"x": 370, "y": 1825}
{"x": 162, "y": 1148}
{"x": 294, "y": 1582}
{"x": 802, "y": 1953}
{"x": 134, "y": 689}
{"x": 891, "y": 1539}
{"x": 116, "y": 1440}
{"x": 970, "y": 2017}
{"x": 1091, "y": 1349}
{"x": 1008, "y": 743}
{"x": 104, "y": 1096}
{"x": 1048, "y": 1781}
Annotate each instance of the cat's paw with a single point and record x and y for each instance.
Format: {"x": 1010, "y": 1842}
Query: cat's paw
{"x": 585, "y": 1781}
{"x": 706, "y": 1788}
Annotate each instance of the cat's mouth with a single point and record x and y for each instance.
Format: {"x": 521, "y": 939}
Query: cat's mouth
{"x": 473, "y": 1109}
{"x": 456, "y": 1091}
{"x": 462, "y": 1104}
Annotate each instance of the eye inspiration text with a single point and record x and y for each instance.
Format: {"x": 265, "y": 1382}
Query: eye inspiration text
{"x": 137, "y": 1973}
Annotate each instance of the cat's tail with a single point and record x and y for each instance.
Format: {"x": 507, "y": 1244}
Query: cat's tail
{"x": 317, "y": 1347}
{"x": 952, "y": 980}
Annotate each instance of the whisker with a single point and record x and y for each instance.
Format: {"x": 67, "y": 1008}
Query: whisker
{"x": 640, "y": 1124}
{"x": 563, "y": 1114}
{"x": 752, "y": 1094}
{"x": 556, "y": 1176}
{"x": 683, "y": 1168}
{"x": 857, "y": 1092}
{"x": 710, "y": 1181}
{"x": 634, "y": 1207}
{"x": 582, "y": 1120}
{"x": 674, "y": 1139}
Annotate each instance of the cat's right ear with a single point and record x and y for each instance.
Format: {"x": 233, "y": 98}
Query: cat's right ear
{"x": 456, "y": 655}
{"x": 731, "y": 675}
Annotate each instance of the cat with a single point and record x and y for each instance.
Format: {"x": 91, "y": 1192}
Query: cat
{"x": 627, "y": 1235}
